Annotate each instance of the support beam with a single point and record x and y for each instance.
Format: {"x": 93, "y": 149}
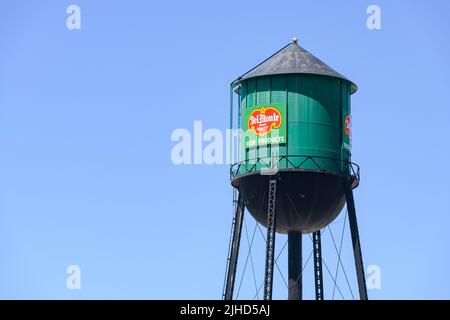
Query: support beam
{"x": 270, "y": 240}
{"x": 234, "y": 249}
{"x": 295, "y": 265}
{"x": 355, "y": 241}
{"x": 318, "y": 275}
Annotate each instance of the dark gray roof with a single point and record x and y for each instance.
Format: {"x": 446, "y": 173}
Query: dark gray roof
{"x": 294, "y": 59}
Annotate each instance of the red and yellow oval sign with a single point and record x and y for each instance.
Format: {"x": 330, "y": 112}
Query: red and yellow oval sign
{"x": 348, "y": 125}
{"x": 261, "y": 121}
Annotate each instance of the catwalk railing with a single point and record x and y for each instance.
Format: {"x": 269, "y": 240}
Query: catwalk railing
{"x": 296, "y": 162}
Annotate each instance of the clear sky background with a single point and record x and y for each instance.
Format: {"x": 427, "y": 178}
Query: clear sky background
{"x": 86, "y": 116}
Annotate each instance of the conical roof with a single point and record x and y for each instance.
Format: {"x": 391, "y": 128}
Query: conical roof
{"x": 294, "y": 59}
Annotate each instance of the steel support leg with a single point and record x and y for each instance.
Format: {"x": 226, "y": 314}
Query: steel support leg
{"x": 234, "y": 249}
{"x": 295, "y": 265}
{"x": 270, "y": 240}
{"x": 318, "y": 275}
{"x": 355, "y": 241}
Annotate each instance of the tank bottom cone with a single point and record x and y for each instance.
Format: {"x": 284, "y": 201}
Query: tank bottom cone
{"x": 305, "y": 201}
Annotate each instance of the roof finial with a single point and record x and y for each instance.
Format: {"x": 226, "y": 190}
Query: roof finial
{"x": 294, "y": 40}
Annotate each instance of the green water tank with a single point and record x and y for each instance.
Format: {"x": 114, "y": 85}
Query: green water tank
{"x": 294, "y": 111}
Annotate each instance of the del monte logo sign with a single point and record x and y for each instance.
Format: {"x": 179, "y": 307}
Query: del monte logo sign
{"x": 347, "y": 138}
{"x": 262, "y": 120}
{"x": 265, "y": 124}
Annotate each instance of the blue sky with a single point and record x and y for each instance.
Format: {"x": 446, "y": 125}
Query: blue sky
{"x": 86, "y": 117}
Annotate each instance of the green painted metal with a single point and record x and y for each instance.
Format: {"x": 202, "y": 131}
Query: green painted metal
{"x": 316, "y": 110}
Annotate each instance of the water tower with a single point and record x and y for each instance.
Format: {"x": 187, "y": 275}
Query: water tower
{"x": 294, "y": 173}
